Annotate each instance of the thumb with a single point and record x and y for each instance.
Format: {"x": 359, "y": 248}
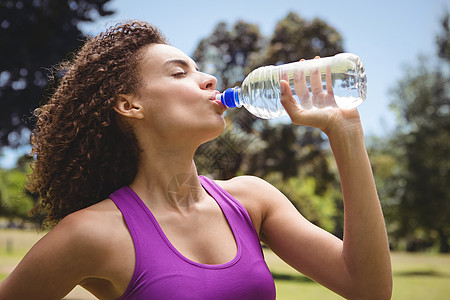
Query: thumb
{"x": 288, "y": 101}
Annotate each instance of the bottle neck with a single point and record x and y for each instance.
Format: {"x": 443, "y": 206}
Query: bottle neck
{"x": 230, "y": 97}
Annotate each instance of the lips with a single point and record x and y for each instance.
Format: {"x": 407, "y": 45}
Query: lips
{"x": 218, "y": 102}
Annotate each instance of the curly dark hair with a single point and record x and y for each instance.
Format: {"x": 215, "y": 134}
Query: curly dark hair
{"x": 83, "y": 152}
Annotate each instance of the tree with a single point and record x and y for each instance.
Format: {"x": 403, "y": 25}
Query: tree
{"x": 34, "y": 36}
{"x": 231, "y": 54}
{"x": 296, "y": 38}
{"x": 422, "y": 103}
{"x": 289, "y": 147}
{"x": 226, "y": 53}
{"x": 15, "y": 200}
{"x": 291, "y": 157}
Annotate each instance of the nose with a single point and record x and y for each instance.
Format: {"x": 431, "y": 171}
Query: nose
{"x": 208, "y": 82}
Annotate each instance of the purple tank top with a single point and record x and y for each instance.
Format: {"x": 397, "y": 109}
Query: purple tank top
{"x": 163, "y": 273}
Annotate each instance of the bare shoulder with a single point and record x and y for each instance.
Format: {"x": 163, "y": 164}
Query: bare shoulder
{"x": 103, "y": 213}
{"x": 88, "y": 233}
{"x": 247, "y": 186}
{"x": 92, "y": 224}
{"x": 255, "y": 194}
{"x": 79, "y": 247}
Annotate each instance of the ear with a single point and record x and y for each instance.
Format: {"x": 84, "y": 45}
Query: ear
{"x": 128, "y": 106}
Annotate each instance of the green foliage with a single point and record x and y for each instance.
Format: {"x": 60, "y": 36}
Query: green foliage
{"x": 319, "y": 209}
{"x": 411, "y": 167}
{"x": 295, "y": 155}
{"x": 231, "y": 51}
{"x": 421, "y": 191}
{"x": 226, "y": 53}
{"x": 296, "y": 38}
{"x": 14, "y": 201}
{"x": 443, "y": 40}
{"x": 230, "y": 54}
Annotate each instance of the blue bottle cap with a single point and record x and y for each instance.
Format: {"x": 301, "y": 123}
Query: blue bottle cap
{"x": 230, "y": 97}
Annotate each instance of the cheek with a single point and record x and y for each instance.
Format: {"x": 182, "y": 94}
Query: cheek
{"x": 175, "y": 105}
{"x": 169, "y": 110}
{"x": 179, "y": 103}
{"x": 171, "y": 94}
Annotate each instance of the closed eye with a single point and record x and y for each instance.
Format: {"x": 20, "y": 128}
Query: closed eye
{"x": 182, "y": 66}
{"x": 180, "y": 74}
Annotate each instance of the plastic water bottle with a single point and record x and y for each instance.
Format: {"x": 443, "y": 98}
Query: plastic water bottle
{"x": 260, "y": 92}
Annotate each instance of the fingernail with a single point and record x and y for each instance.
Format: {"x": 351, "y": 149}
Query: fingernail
{"x": 283, "y": 88}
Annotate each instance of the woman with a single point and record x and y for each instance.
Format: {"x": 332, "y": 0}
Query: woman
{"x": 114, "y": 167}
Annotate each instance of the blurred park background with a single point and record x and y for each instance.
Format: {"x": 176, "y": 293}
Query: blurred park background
{"x": 406, "y": 50}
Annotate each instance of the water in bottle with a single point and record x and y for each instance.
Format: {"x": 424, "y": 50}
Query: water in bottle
{"x": 260, "y": 92}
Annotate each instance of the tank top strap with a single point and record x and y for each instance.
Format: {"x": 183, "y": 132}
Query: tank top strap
{"x": 236, "y": 213}
{"x": 162, "y": 273}
{"x": 134, "y": 215}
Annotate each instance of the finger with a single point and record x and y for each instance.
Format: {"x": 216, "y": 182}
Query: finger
{"x": 287, "y": 100}
{"x": 297, "y": 115}
{"x": 300, "y": 86}
{"x": 286, "y": 93}
{"x": 284, "y": 76}
{"x": 301, "y": 89}
{"x": 329, "y": 84}
{"x": 316, "y": 82}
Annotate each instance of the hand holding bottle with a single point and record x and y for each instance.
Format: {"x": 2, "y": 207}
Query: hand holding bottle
{"x": 316, "y": 98}
{"x": 260, "y": 90}
{"x": 331, "y": 118}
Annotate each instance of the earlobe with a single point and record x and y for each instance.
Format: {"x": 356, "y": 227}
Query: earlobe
{"x": 127, "y": 106}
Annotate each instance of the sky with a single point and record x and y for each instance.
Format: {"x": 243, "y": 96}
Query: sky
{"x": 389, "y": 36}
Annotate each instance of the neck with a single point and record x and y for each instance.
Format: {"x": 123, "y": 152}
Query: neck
{"x": 167, "y": 178}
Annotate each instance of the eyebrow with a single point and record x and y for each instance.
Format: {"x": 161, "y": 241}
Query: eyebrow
{"x": 178, "y": 61}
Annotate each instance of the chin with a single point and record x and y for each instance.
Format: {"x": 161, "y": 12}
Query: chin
{"x": 215, "y": 130}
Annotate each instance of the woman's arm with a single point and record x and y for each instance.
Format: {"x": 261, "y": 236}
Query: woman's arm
{"x": 365, "y": 246}
{"x": 359, "y": 266}
{"x": 62, "y": 259}
{"x": 48, "y": 270}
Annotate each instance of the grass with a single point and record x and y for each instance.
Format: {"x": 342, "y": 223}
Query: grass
{"x": 421, "y": 276}
{"x": 292, "y": 285}
{"x": 14, "y": 244}
{"x": 416, "y": 276}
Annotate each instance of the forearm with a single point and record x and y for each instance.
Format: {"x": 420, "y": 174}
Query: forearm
{"x": 365, "y": 246}
{"x": 365, "y": 250}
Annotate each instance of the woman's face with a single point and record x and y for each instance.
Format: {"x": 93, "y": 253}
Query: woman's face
{"x": 178, "y": 101}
